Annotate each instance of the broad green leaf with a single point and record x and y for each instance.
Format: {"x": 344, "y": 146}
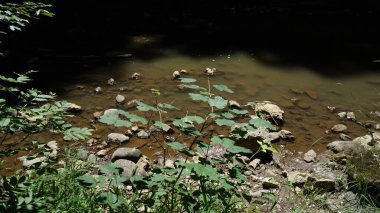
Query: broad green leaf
{"x": 4, "y": 122}
{"x": 229, "y": 145}
{"x": 239, "y": 112}
{"x": 162, "y": 126}
{"x": 203, "y": 170}
{"x": 166, "y": 106}
{"x": 224, "y": 122}
{"x": 266, "y": 146}
{"x": 187, "y": 80}
{"x": 223, "y": 88}
{"x": 87, "y": 179}
{"x": 145, "y": 107}
{"x": 199, "y": 97}
{"x": 2, "y": 101}
{"x": 181, "y": 148}
{"x": 206, "y": 93}
{"x": 191, "y": 86}
{"x": 78, "y": 133}
{"x": 228, "y": 115}
{"x": 109, "y": 169}
{"x": 258, "y": 122}
{"x": 182, "y": 124}
{"x": 218, "y": 102}
{"x": 214, "y": 115}
{"x": 197, "y": 119}
{"x": 114, "y": 120}
{"x": 132, "y": 117}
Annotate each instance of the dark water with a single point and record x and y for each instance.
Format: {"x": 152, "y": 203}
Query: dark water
{"x": 302, "y": 58}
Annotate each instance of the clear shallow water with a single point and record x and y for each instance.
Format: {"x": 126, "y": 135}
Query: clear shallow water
{"x": 302, "y": 93}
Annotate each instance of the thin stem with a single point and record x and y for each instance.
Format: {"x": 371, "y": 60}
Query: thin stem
{"x": 5, "y": 136}
{"x": 209, "y": 91}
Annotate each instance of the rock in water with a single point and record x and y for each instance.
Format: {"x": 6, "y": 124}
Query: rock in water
{"x": 98, "y": 89}
{"x": 111, "y": 82}
{"x": 131, "y": 154}
{"x": 339, "y": 128}
{"x": 310, "y": 156}
{"x": 234, "y": 104}
{"x": 142, "y": 134}
{"x": 110, "y": 112}
{"x": 120, "y": 99}
{"x": 210, "y": 71}
{"x": 176, "y": 75}
{"x": 351, "y": 116}
{"x": 102, "y": 153}
{"x": 342, "y": 114}
{"x": 117, "y": 137}
{"x": 273, "y": 110}
{"x": 136, "y": 76}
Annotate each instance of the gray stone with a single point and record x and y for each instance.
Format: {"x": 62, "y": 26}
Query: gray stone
{"x": 255, "y": 163}
{"x": 342, "y": 114}
{"x": 344, "y": 137}
{"x": 120, "y": 99}
{"x": 142, "y": 134}
{"x": 351, "y": 116}
{"x": 176, "y": 74}
{"x": 110, "y": 112}
{"x": 97, "y": 115}
{"x": 111, "y": 81}
{"x": 273, "y": 110}
{"x": 322, "y": 178}
{"x": 339, "y": 128}
{"x": 234, "y": 104}
{"x": 98, "y": 89}
{"x": 127, "y": 166}
{"x": 259, "y": 193}
{"x": 117, "y": 137}
{"x": 136, "y": 76}
{"x": 377, "y": 126}
{"x": 341, "y": 146}
{"x": 270, "y": 183}
{"x": 29, "y": 163}
{"x": 143, "y": 166}
{"x": 52, "y": 145}
{"x": 92, "y": 159}
{"x": 376, "y": 136}
{"x": 101, "y": 153}
{"x": 132, "y": 154}
{"x": 310, "y": 156}
{"x": 169, "y": 163}
{"x": 82, "y": 154}
{"x": 297, "y": 178}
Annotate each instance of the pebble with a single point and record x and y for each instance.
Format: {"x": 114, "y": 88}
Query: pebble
{"x": 339, "y": 128}
{"x": 143, "y": 134}
{"x": 120, "y": 99}
{"x": 98, "y": 89}
{"x": 101, "y": 153}
{"x": 310, "y": 156}
{"x": 176, "y": 74}
{"x": 136, "y": 76}
{"x": 210, "y": 71}
{"x": 98, "y": 114}
{"x": 351, "y": 116}
{"x": 111, "y": 82}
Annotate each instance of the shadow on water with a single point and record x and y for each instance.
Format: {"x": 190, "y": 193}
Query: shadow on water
{"x": 331, "y": 38}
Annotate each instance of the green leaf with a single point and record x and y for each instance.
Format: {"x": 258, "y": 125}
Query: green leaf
{"x": 228, "y": 115}
{"x": 109, "y": 169}
{"x": 132, "y": 117}
{"x": 218, "y": 102}
{"x": 229, "y": 145}
{"x": 213, "y": 115}
{"x": 145, "y": 107}
{"x": 223, "y": 88}
{"x": 182, "y": 124}
{"x": 2, "y": 101}
{"x": 78, "y": 133}
{"x": 191, "y": 86}
{"x": 187, "y": 80}
{"x": 203, "y": 170}
{"x": 4, "y": 122}
{"x": 87, "y": 180}
{"x": 224, "y": 122}
{"x": 199, "y": 97}
{"x": 197, "y": 119}
{"x": 162, "y": 126}
{"x": 266, "y": 146}
{"x": 166, "y": 106}
{"x": 258, "y": 122}
{"x": 239, "y": 112}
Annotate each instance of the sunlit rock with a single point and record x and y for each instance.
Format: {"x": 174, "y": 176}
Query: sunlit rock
{"x": 272, "y": 110}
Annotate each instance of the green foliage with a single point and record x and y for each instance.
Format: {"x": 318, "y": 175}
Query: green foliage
{"x": 223, "y": 88}
{"x": 230, "y": 145}
{"x": 218, "y": 102}
{"x": 258, "y": 122}
{"x": 78, "y": 133}
{"x": 198, "y": 97}
{"x": 224, "y": 122}
{"x": 116, "y": 120}
{"x": 187, "y": 80}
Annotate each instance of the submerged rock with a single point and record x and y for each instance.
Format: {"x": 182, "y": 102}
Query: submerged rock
{"x": 132, "y": 154}
{"x": 117, "y": 137}
{"x": 310, "y": 156}
{"x": 120, "y": 99}
{"x": 312, "y": 94}
{"x": 339, "y": 128}
{"x": 273, "y": 110}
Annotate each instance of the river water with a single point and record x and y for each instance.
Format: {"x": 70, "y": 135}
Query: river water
{"x": 304, "y": 94}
